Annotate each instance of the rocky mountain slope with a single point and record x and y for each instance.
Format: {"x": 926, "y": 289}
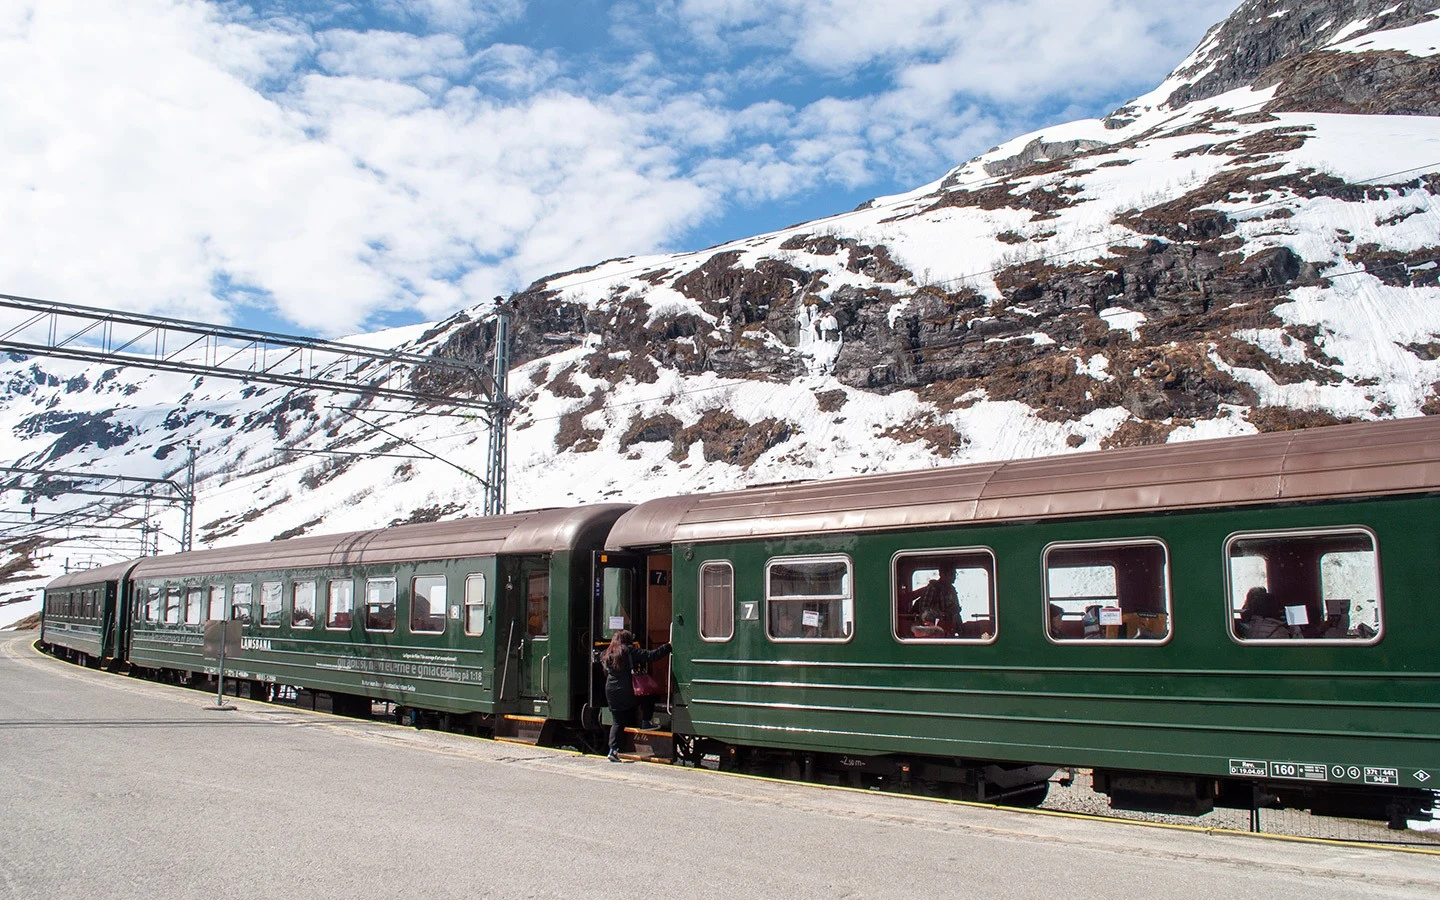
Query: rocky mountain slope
{"x": 1252, "y": 246}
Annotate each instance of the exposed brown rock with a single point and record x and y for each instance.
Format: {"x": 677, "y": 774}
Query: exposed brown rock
{"x": 727, "y": 438}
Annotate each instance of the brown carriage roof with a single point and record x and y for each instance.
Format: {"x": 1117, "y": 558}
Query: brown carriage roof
{"x": 544, "y": 531}
{"x": 112, "y": 572}
{"x": 1343, "y": 461}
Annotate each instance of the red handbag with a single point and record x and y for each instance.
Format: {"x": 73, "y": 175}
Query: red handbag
{"x": 645, "y": 685}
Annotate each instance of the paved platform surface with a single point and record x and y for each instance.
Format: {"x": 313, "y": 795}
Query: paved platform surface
{"x": 117, "y": 788}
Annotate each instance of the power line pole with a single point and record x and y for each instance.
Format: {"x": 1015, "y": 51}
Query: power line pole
{"x": 495, "y": 469}
{"x": 187, "y": 530}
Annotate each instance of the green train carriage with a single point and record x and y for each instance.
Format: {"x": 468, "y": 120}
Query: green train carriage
{"x": 473, "y": 619}
{"x": 80, "y": 614}
{"x": 1099, "y": 619}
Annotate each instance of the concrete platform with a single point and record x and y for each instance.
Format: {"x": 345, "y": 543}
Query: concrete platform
{"x": 112, "y": 787}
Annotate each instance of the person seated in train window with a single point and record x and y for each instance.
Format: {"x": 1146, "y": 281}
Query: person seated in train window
{"x": 1090, "y": 623}
{"x": 938, "y": 605}
{"x": 1262, "y": 616}
{"x": 1057, "y": 621}
{"x": 786, "y": 623}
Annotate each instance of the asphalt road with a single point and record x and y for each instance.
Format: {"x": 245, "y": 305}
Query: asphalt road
{"x": 116, "y": 788}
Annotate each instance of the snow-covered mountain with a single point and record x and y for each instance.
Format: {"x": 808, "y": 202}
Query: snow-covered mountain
{"x": 1252, "y": 246}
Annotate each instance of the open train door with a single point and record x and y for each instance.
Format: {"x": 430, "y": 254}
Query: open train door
{"x": 632, "y": 591}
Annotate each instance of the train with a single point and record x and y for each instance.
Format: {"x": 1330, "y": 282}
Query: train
{"x": 1245, "y": 623}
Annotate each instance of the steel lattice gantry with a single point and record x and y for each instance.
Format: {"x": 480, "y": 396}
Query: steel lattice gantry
{"x": 92, "y": 334}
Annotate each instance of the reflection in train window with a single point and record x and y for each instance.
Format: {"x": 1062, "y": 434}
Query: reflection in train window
{"x": 1112, "y": 591}
{"x": 272, "y": 600}
{"x": 302, "y": 604}
{"x": 194, "y": 603}
{"x": 216, "y": 610}
{"x": 340, "y": 604}
{"x": 1310, "y": 586}
{"x": 379, "y": 604}
{"x": 172, "y": 606}
{"x": 427, "y": 604}
{"x": 240, "y": 599}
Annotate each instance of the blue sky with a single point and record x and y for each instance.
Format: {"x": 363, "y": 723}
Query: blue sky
{"x": 327, "y": 167}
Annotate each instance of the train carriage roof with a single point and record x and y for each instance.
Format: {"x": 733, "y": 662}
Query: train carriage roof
{"x": 543, "y": 531}
{"x": 112, "y": 572}
{"x": 1336, "y": 462}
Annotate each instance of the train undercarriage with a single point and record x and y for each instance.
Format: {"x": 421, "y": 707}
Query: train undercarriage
{"x": 1002, "y": 783}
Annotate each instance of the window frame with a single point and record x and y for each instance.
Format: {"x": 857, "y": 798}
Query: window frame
{"x": 194, "y": 600}
{"x": 280, "y": 613}
{"x": 216, "y": 591}
{"x": 293, "y": 593}
{"x": 330, "y": 585}
{"x": 176, "y": 593}
{"x": 394, "y": 604}
{"x": 978, "y": 550}
{"x": 483, "y": 603}
{"x": 248, "y": 589}
{"x": 700, "y": 600}
{"x": 1104, "y": 641}
{"x": 844, "y": 599}
{"x": 444, "y": 609}
{"x": 1324, "y": 531}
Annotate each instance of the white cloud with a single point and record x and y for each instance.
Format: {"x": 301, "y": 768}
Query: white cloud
{"x": 456, "y": 15}
{"x": 391, "y": 55}
{"x": 938, "y": 48}
{"x": 144, "y": 166}
{"x": 186, "y": 157}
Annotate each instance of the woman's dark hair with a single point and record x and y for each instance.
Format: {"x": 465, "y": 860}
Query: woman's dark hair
{"x": 610, "y": 659}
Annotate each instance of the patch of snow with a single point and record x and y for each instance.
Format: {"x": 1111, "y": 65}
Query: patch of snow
{"x": 1420, "y": 39}
{"x": 1122, "y": 319}
{"x": 1097, "y": 367}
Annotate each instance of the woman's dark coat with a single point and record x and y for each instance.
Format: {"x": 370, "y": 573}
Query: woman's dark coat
{"x": 620, "y": 680}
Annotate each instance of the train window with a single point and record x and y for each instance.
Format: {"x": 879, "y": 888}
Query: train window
{"x": 537, "y": 602}
{"x": 272, "y": 602}
{"x": 944, "y": 595}
{"x": 379, "y": 604}
{"x": 302, "y": 604}
{"x": 152, "y": 604}
{"x": 717, "y": 601}
{"x": 194, "y": 602}
{"x": 427, "y": 604}
{"x": 809, "y": 599}
{"x": 240, "y": 599}
{"x": 475, "y": 604}
{"x": 1310, "y": 586}
{"x": 216, "y": 610}
{"x": 1116, "y": 591}
{"x": 172, "y": 606}
{"x": 340, "y": 604}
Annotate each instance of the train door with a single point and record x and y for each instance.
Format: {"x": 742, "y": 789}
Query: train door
{"x": 634, "y": 594}
{"x": 528, "y": 587}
